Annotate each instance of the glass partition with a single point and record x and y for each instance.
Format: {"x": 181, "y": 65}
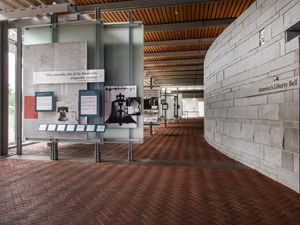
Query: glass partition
{"x": 11, "y": 89}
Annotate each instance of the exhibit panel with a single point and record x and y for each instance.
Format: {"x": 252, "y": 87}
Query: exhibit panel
{"x": 64, "y": 82}
{"x": 170, "y": 107}
{"x": 54, "y": 100}
{"x": 151, "y": 105}
{"x": 119, "y": 41}
{"x": 180, "y": 105}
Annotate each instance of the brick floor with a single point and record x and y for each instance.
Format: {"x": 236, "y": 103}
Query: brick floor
{"x": 63, "y": 192}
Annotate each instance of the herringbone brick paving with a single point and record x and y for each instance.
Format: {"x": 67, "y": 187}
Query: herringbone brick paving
{"x": 61, "y": 192}
{"x": 189, "y": 147}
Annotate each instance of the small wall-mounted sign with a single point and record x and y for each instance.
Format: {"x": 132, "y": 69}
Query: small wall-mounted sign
{"x": 62, "y": 77}
{"x": 261, "y": 88}
{"x": 262, "y": 37}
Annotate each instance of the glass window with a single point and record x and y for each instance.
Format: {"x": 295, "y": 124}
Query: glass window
{"x": 11, "y": 90}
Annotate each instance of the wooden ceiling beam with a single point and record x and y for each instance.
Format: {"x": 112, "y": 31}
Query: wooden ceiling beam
{"x": 139, "y": 4}
{"x": 181, "y": 76}
{"x": 178, "y": 53}
{"x": 188, "y": 25}
{"x": 180, "y": 42}
{"x": 166, "y": 68}
{"x": 166, "y": 62}
{"x": 176, "y": 73}
{"x": 180, "y": 82}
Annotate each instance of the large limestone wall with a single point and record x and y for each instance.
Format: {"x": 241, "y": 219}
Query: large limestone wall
{"x": 258, "y": 127}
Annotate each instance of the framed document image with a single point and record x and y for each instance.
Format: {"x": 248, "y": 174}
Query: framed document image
{"x": 119, "y": 100}
{"x": 90, "y": 128}
{"x": 71, "y": 127}
{"x": 51, "y": 127}
{"x": 61, "y": 127}
{"x": 88, "y": 103}
{"x": 80, "y": 128}
{"x": 100, "y": 128}
{"x": 44, "y": 101}
{"x": 42, "y": 127}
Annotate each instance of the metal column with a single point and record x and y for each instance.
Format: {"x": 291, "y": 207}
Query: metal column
{"x": 165, "y": 110}
{"x": 151, "y": 127}
{"x": 4, "y": 88}
{"x": 99, "y": 64}
{"x": 130, "y": 150}
{"x": 177, "y": 107}
{"x": 19, "y": 92}
{"x": 54, "y": 21}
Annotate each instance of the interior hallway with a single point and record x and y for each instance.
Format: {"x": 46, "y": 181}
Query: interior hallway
{"x": 177, "y": 178}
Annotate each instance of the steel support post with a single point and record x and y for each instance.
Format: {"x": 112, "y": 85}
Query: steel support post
{"x": 54, "y": 21}
{"x": 4, "y": 88}
{"x": 151, "y": 84}
{"x": 97, "y": 153}
{"x": 165, "y": 110}
{"x": 19, "y": 92}
{"x": 177, "y": 107}
{"x": 130, "y": 147}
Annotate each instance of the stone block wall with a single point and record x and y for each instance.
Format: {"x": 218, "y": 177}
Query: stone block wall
{"x": 249, "y": 116}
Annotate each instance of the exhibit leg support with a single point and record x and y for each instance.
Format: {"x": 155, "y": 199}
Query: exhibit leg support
{"x": 51, "y": 151}
{"x": 130, "y": 152}
{"x": 54, "y": 151}
{"x": 97, "y": 153}
{"x": 151, "y": 131}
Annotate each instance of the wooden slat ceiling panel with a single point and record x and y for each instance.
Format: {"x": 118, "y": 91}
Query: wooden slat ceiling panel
{"x": 184, "y": 34}
{"x": 171, "y": 65}
{"x": 174, "y": 58}
{"x": 177, "y": 48}
{"x": 177, "y": 14}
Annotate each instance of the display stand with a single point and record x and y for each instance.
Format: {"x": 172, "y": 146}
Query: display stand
{"x": 148, "y": 100}
{"x": 165, "y": 110}
{"x": 103, "y": 42}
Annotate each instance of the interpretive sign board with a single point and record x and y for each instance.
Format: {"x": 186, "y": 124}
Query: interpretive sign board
{"x": 44, "y": 101}
{"x": 43, "y": 127}
{"x": 29, "y": 108}
{"x": 51, "y": 127}
{"x": 65, "y": 56}
{"x": 88, "y": 103}
{"x": 101, "y": 128}
{"x": 165, "y": 106}
{"x": 80, "y": 128}
{"x": 116, "y": 115}
{"x": 90, "y": 128}
{"x": 71, "y": 127}
{"x": 74, "y": 76}
{"x": 148, "y": 93}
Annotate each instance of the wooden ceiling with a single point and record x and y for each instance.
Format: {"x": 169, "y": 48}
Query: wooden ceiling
{"x": 177, "y": 35}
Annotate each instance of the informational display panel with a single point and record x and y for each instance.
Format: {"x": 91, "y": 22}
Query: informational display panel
{"x": 88, "y": 103}
{"x": 44, "y": 101}
{"x": 151, "y": 105}
{"x": 63, "y": 97}
{"x": 116, "y": 110}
